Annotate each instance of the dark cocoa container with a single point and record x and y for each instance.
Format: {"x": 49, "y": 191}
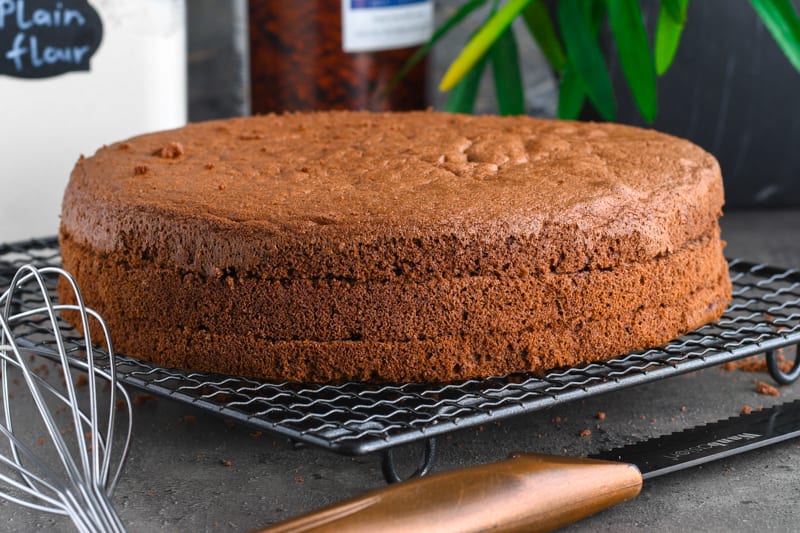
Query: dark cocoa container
{"x": 337, "y": 54}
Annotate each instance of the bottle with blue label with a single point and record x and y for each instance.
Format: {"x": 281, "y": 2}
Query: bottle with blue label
{"x": 322, "y": 54}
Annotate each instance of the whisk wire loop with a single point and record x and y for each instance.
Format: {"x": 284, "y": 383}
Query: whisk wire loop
{"x": 83, "y": 482}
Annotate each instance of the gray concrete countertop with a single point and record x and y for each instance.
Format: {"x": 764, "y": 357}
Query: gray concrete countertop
{"x": 191, "y": 471}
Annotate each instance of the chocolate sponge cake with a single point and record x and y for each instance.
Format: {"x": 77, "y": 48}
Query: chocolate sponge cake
{"x": 395, "y": 247}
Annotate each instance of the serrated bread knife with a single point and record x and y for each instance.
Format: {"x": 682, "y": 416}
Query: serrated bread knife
{"x": 533, "y": 492}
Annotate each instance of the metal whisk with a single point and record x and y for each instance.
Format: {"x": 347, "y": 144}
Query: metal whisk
{"x": 70, "y": 470}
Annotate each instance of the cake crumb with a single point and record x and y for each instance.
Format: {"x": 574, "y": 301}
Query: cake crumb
{"x": 683, "y": 408}
{"x": 210, "y": 166}
{"x": 746, "y": 410}
{"x": 766, "y": 389}
{"x": 556, "y": 419}
{"x": 586, "y": 432}
{"x": 227, "y": 462}
{"x": 222, "y": 186}
{"x": 140, "y": 170}
{"x": 758, "y": 363}
{"x": 600, "y": 415}
{"x": 41, "y": 441}
{"x": 298, "y": 479}
{"x": 142, "y": 398}
{"x": 171, "y": 151}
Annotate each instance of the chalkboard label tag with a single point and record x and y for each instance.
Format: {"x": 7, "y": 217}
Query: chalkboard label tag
{"x": 42, "y": 38}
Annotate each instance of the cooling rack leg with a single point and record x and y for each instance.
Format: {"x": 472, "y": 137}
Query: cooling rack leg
{"x": 784, "y": 378}
{"x": 428, "y": 459}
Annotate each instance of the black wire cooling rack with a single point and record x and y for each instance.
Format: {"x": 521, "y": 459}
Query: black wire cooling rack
{"x": 358, "y": 418}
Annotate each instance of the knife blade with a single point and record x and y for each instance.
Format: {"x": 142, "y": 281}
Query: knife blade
{"x": 536, "y": 492}
{"x": 702, "y": 444}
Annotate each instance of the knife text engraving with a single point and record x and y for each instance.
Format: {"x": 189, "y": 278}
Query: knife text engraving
{"x": 675, "y": 456}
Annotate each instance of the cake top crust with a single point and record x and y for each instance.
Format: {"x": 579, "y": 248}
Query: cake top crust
{"x": 407, "y": 193}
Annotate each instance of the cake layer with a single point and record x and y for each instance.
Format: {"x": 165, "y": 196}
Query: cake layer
{"x": 551, "y": 317}
{"x": 482, "y": 353}
{"x": 373, "y": 196}
{"x": 326, "y": 310}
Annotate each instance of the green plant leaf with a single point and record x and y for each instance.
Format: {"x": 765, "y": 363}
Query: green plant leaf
{"x": 480, "y": 43}
{"x": 537, "y": 19}
{"x": 635, "y": 56}
{"x": 459, "y": 15}
{"x": 595, "y": 11}
{"x": 668, "y": 34}
{"x": 462, "y": 98}
{"x": 571, "y": 95}
{"x": 675, "y": 9}
{"x": 507, "y": 76}
{"x": 584, "y": 54}
{"x": 780, "y": 18}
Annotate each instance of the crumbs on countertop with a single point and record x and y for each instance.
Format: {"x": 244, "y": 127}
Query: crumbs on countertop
{"x": 758, "y": 363}
{"x": 766, "y": 389}
{"x": 142, "y": 398}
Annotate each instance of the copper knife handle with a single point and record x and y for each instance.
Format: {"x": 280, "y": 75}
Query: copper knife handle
{"x": 527, "y": 492}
